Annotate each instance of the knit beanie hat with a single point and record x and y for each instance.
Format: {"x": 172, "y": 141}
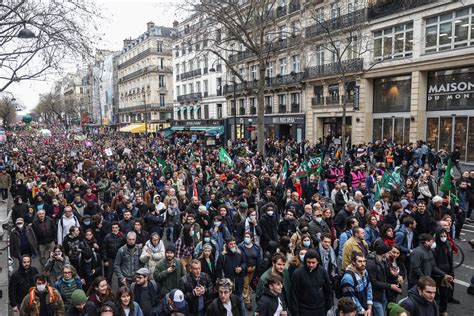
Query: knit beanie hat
{"x": 78, "y": 297}
{"x": 381, "y": 248}
{"x": 395, "y": 309}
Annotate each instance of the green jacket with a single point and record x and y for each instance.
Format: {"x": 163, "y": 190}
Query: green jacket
{"x": 168, "y": 281}
{"x": 262, "y": 284}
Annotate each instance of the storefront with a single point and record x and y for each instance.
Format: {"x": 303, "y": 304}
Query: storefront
{"x": 391, "y": 108}
{"x": 450, "y": 111}
{"x": 210, "y": 131}
{"x": 276, "y": 126}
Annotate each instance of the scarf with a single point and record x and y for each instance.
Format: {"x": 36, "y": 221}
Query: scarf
{"x": 153, "y": 248}
{"x": 328, "y": 257}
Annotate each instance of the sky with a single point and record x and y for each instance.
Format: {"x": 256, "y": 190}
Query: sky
{"x": 123, "y": 19}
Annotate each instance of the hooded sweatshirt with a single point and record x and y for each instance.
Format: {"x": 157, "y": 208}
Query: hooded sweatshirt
{"x": 418, "y": 306}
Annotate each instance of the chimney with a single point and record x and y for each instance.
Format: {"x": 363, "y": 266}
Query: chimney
{"x": 150, "y": 25}
{"x": 175, "y": 24}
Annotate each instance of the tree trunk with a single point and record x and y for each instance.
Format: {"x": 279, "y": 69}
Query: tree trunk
{"x": 261, "y": 109}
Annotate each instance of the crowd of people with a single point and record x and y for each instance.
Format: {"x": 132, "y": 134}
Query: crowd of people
{"x": 127, "y": 225}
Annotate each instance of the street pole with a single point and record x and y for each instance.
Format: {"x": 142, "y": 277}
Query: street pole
{"x": 146, "y": 122}
{"x": 235, "y": 112}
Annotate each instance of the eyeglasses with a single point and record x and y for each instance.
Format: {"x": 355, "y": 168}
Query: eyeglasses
{"x": 67, "y": 272}
{"x": 139, "y": 277}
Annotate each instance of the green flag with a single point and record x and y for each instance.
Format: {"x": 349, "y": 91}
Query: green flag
{"x": 447, "y": 184}
{"x": 284, "y": 172}
{"x": 388, "y": 182}
{"x": 378, "y": 192}
{"x": 454, "y": 198}
{"x": 302, "y": 170}
{"x": 315, "y": 164}
{"x": 165, "y": 167}
{"x": 225, "y": 157}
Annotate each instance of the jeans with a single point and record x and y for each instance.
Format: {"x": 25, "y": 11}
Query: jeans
{"x": 323, "y": 188}
{"x": 378, "y": 309}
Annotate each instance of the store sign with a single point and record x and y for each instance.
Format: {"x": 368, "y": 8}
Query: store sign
{"x": 355, "y": 99}
{"x": 287, "y": 120}
{"x": 451, "y": 89}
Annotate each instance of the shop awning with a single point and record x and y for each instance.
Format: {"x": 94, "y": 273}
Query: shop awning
{"x": 215, "y": 131}
{"x": 128, "y": 128}
{"x": 177, "y": 128}
{"x": 140, "y": 128}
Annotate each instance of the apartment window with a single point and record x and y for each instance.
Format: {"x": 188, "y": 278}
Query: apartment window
{"x": 177, "y": 69}
{"x": 206, "y": 111}
{"x": 281, "y": 32}
{"x": 295, "y": 63}
{"x": 268, "y": 102}
{"x": 352, "y": 49}
{"x": 184, "y": 90}
{"x": 162, "y": 99}
{"x": 319, "y": 15}
{"x": 161, "y": 81}
{"x": 351, "y": 6}
{"x": 394, "y": 42}
{"x": 191, "y": 65}
{"x": 219, "y": 110}
{"x": 282, "y": 62}
{"x": 295, "y": 98}
{"x": 253, "y": 72}
{"x": 449, "y": 31}
{"x": 178, "y": 90}
{"x": 319, "y": 55}
{"x": 242, "y": 106}
{"x": 335, "y": 10}
{"x": 295, "y": 28}
{"x": 205, "y": 86}
{"x": 183, "y": 66}
{"x": 176, "y": 51}
{"x": 270, "y": 69}
{"x": 198, "y": 86}
{"x": 191, "y": 88}
{"x": 190, "y": 47}
{"x": 159, "y": 47}
{"x": 162, "y": 63}
{"x": 282, "y": 100}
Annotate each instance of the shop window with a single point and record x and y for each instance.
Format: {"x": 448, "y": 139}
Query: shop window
{"x": 393, "y": 128}
{"x": 451, "y": 89}
{"x": 449, "y": 31}
{"x": 392, "y": 94}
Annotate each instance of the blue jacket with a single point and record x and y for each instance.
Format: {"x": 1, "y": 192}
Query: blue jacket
{"x": 371, "y": 235}
{"x": 360, "y": 292}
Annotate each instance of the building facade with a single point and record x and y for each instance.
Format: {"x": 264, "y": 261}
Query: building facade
{"x": 199, "y": 102}
{"x": 145, "y": 78}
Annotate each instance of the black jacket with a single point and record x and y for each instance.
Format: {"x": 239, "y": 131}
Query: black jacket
{"x": 226, "y": 265}
{"x": 45, "y": 231}
{"x": 268, "y": 303}
{"x": 378, "y": 277}
{"x": 187, "y": 284}
{"x": 20, "y": 283}
{"x": 217, "y": 308}
{"x": 269, "y": 225}
{"x": 417, "y": 306}
{"x": 311, "y": 290}
{"x": 112, "y": 244}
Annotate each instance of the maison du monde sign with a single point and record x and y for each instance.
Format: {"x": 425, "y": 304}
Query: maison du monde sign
{"x": 451, "y": 89}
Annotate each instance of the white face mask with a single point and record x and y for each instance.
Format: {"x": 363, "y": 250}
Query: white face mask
{"x": 247, "y": 240}
{"x": 41, "y": 287}
{"x": 20, "y": 226}
{"x": 270, "y": 213}
{"x": 443, "y": 239}
{"x": 433, "y": 246}
{"x": 319, "y": 219}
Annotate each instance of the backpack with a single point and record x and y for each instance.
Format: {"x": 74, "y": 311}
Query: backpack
{"x": 33, "y": 296}
{"x": 337, "y": 283}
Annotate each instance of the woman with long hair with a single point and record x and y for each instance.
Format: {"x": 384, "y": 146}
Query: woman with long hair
{"x": 153, "y": 251}
{"x": 55, "y": 264}
{"x": 100, "y": 292}
{"x": 67, "y": 284}
{"x": 185, "y": 245}
{"x": 126, "y": 305}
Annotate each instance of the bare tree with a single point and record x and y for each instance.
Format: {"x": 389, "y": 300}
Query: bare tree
{"x": 51, "y": 32}
{"x": 7, "y": 111}
{"x": 50, "y": 107}
{"x": 227, "y": 26}
{"x": 344, "y": 37}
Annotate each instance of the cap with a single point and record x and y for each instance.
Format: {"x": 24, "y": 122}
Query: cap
{"x": 143, "y": 271}
{"x": 244, "y": 204}
{"x": 19, "y": 220}
{"x": 177, "y": 297}
{"x": 78, "y": 297}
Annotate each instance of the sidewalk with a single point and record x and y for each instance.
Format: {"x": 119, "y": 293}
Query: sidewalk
{"x": 4, "y": 276}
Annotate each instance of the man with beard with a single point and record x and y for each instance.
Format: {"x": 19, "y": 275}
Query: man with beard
{"x": 112, "y": 243}
{"x": 45, "y": 232}
{"x": 20, "y": 282}
{"x": 168, "y": 271}
{"x": 127, "y": 260}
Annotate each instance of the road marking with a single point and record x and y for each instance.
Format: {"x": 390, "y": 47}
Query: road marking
{"x": 462, "y": 283}
{"x": 467, "y": 225}
{"x": 467, "y": 230}
{"x": 468, "y": 267}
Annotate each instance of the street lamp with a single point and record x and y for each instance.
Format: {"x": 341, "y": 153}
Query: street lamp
{"x": 26, "y": 33}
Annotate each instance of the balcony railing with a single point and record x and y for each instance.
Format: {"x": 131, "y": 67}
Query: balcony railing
{"x": 242, "y": 111}
{"x": 394, "y": 7}
{"x": 238, "y": 57}
{"x": 232, "y": 111}
{"x": 268, "y": 110}
{"x": 317, "y": 100}
{"x": 155, "y": 107}
{"x": 350, "y": 66}
{"x": 293, "y": 78}
{"x": 190, "y": 74}
{"x": 332, "y": 100}
{"x": 282, "y": 108}
{"x": 336, "y": 23}
{"x": 206, "y": 94}
{"x": 253, "y": 110}
{"x": 295, "y": 108}
{"x": 219, "y": 91}
{"x": 140, "y": 56}
{"x": 143, "y": 71}
{"x": 189, "y": 97}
